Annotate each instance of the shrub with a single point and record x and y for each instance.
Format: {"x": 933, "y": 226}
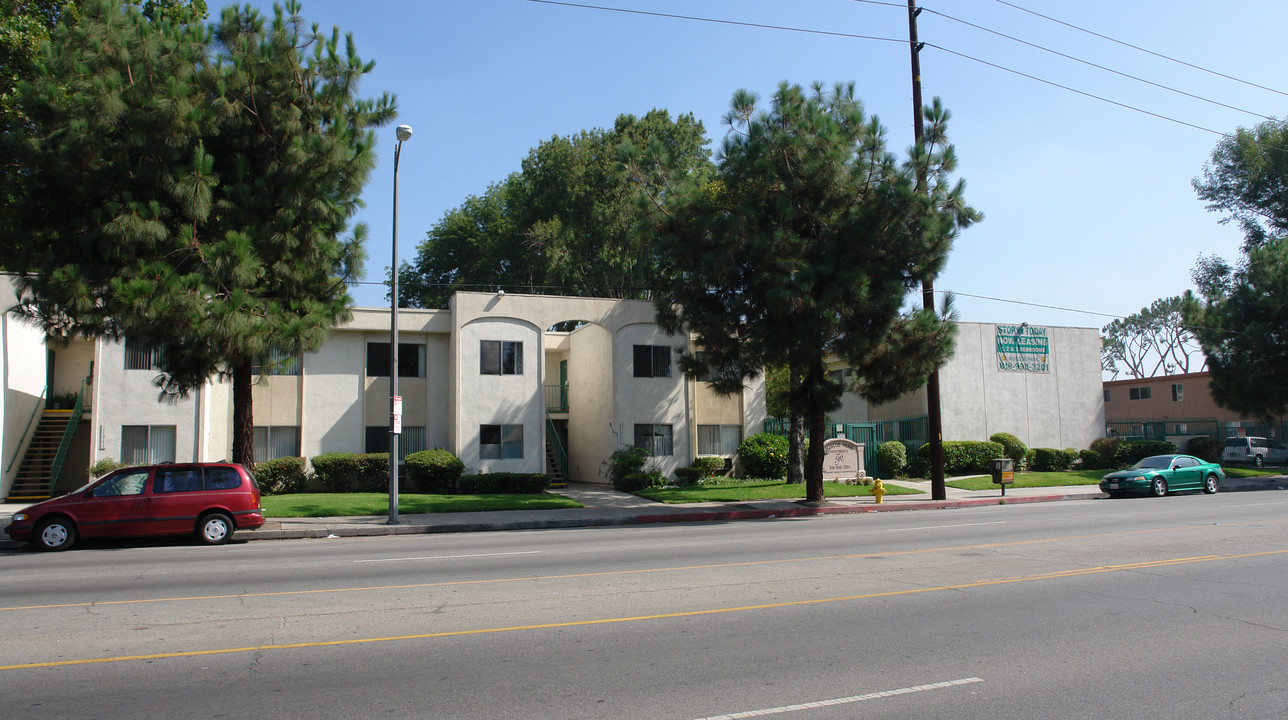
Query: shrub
{"x": 711, "y": 466}
{"x": 435, "y": 471}
{"x": 1128, "y": 453}
{"x": 352, "y": 472}
{"x": 894, "y": 457}
{"x": 103, "y": 467}
{"x": 688, "y": 475}
{"x": 965, "y": 457}
{"x": 503, "y": 483}
{"x": 1052, "y": 459}
{"x": 1091, "y": 460}
{"x": 640, "y": 480}
{"x": 1105, "y": 448}
{"x": 626, "y": 461}
{"x": 1012, "y": 447}
{"x": 764, "y": 455}
{"x": 919, "y": 467}
{"x": 281, "y": 476}
{"x": 1205, "y": 448}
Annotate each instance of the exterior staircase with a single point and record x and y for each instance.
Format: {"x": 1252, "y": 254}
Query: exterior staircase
{"x": 35, "y": 475}
{"x": 557, "y": 479}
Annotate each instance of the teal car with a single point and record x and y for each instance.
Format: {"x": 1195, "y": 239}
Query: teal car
{"x": 1161, "y": 474}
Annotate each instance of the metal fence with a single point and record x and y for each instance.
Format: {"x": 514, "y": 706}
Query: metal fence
{"x": 913, "y": 432}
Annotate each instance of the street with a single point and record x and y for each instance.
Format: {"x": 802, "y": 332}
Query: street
{"x": 1143, "y": 607}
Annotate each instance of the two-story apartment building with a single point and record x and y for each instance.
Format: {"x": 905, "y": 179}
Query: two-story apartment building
{"x": 489, "y": 379}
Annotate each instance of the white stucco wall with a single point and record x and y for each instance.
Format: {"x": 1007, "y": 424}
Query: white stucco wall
{"x": 1061, "y": 408}
{"x": 22, "y": 348}
{"x": 502, "y": 399}
{"x": 129, "y": 397}
{"x": 590, "y": 389}
{"x": 652, "y": 400}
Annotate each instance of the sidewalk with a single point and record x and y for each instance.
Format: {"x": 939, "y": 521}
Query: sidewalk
{"x": 605, "y": 506}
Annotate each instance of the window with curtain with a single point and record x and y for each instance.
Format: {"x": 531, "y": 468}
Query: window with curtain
{"x": 411, "y": 359}
{"x": 141, "y": 356}
{"x": 500, "y": 442}
{"x": 147, "y": 444}
{"x": 719, "y": 439}
{"x": 276, "y": 362}
{"x": 276, "y": 442}
{"x": 656, "y": 439}
{"x": 652, "y": 361}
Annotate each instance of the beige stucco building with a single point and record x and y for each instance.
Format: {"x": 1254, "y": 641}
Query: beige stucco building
{"x": 489, "y": 379}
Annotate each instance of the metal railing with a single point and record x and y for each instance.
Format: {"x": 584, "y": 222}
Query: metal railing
{"x": 561, "y": 454}
{"x": 73, "y": 423}
{"x": 556, "y": 398}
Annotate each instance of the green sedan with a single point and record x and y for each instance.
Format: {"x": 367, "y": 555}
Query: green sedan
{"x": 1161, "y": 474}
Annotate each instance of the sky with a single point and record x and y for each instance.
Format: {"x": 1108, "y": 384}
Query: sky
{"x": 1089, "y": 212}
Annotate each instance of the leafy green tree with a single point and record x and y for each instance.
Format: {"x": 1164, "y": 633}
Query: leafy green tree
{"x": 1154, "y": 341}
{"x": 1240, "y": 311}
{"x": 192, "y": 190}
{"x": 565, "y": 223}
{"x": 805, "y": 247}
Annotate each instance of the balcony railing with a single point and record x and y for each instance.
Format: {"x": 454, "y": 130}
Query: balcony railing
{"x": 557, "y": 398}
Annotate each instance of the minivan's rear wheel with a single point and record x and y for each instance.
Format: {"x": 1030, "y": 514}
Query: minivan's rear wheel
{"x": 1259, "y": 460}
{"x": 1210, "y": 485}
{"x": 1158, "y": 487}
{"x": 55, "y": 534}
{"x": 215, "y": 529}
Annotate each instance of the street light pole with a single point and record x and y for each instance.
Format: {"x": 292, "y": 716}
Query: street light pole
{"x": 395, "y": 401}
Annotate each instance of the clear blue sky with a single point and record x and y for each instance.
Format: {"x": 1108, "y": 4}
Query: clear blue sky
{"x": 1088, "y": 205}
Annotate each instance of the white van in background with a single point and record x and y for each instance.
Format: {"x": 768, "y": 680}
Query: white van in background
{"x": 1255, "y": 450}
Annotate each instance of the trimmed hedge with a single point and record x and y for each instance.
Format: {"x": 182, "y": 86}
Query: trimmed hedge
{"x": 1205, "y": 448}
{"x": 1104, "y": 447}
{"x": 1052, "y": 459}
{"x": 1092, "y": 460}
{"x": 1013, "y": 447}
{"x": 689, "y": 475}
{"x": 1130, "y": 452}
{"x": 966, "y": 457}
{"x": 281, "y": 476}
{"x": 894, "y": 457}
{"x": 504, "y": 483}
{"x": 624, "y": 463}
{"x": 435, "y": 471}
{"x": 352, "y": 472}
{"x": 764, "y": 455}
{"x": 711, "y": 466}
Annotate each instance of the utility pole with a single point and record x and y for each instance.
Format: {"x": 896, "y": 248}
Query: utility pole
{"x": 938, "y": 491}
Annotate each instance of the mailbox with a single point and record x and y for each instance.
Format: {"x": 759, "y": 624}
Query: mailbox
{"x": 1003, "y": 472}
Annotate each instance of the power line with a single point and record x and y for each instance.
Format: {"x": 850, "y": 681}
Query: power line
{"x": 1137, "y": 48}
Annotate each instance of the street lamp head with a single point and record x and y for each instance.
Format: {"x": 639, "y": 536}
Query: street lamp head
{"x": 404, "y": 132}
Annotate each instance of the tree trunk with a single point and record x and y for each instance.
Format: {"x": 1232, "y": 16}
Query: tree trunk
{"x": 796, "y": 426}
{"x": 243, "y": 416}
{"x": 817, "y": 415}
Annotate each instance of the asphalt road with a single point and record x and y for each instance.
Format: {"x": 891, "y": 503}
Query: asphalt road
{"x": 1158, "y": 608}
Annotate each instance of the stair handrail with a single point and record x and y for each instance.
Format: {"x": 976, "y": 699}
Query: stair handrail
{"x": 56, "y": 468}
{"x": 40, "y": 404}
{"x": 561, "y": 455}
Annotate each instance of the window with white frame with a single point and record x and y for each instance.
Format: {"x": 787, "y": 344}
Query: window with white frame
{"x": 278, "y": 441}
{"x": 656, "y": 439}
{"x": 719, "y": 439}
{"x": 1140, "y": 393}
{"x": 141, "y": 356}
{"x": 500, "y": 442}
{"x": 276, "y": 362}
{"x": 147, "y": 444}
{"x": 500, "y": 357}
{"x": 652, "y": 361}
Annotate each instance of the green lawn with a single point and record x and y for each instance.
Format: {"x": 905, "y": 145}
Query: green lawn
{"x": 340, "y": 504}
{"x": 741, "y": 490}
{"x": 1078, "y": 477}
{"x": 1247, "y": 472}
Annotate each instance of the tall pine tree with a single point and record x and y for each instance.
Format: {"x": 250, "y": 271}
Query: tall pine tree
{"x": 192, "y": 188}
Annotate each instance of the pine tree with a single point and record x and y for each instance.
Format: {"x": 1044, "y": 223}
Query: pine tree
{"x": 805, "y": 247}
{"x": 194, "y": 189}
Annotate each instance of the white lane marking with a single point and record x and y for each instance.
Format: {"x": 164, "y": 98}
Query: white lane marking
{"x": 1254, "y": 504}
{"x": 451, "y": 557}
{"x": 940, "y": 527}
{"x": 844, "y": 700}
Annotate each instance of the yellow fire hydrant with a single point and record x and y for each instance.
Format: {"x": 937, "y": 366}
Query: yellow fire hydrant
{"x": 878, "y": 489}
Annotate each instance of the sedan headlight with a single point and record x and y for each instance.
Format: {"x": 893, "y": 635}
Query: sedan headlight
{"x": 19, "y": 516}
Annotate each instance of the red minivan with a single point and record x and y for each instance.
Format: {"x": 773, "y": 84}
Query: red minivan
{"x": 209, "y": 499}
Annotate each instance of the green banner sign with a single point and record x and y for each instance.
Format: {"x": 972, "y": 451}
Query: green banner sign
{"x": 1023, "y": 348}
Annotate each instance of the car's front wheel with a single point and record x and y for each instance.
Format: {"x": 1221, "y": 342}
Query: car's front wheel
{"x": 1158, "y": 487}
{"x": 55, "y": 534}
{"x": 1210, "y": 485}
{"x": 215, "y": 529}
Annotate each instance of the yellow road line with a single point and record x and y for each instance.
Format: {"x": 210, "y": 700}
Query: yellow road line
{"x": 610, "y": 573}
{"x": 639, "y": 618}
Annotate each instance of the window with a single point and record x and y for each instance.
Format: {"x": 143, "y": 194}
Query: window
{"x": 500, "y": 442}
{"x": 1106, "y": 394}
{"x": 1139, "y": 393}
{"x": 656, "y": 439}
{"x": 147, "y": 444}
{"x": 411, "y": 359}
{"x": 130, "y": 482}
{"x": 719, "y": 439}
{"x": 500, "y": 357}
{"x": 842, "y": 376}
{"x": 141, "y": 356}
{"x": 276, "y": 362}
{"x": 276, "y": 442}
{"x": 1178, "y": 392}
{"x": 194, "y": 478}
{"x": 410, "y": 440}
{"x": 652, "y": 361}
